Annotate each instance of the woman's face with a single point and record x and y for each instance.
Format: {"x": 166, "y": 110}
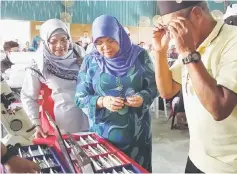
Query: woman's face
{"x": 107, "y": 47}
{"x": 58, "y": 44}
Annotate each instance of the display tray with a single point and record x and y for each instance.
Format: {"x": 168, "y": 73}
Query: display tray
{"x": 105, "y": 157}
{"x": 45, "y": 156}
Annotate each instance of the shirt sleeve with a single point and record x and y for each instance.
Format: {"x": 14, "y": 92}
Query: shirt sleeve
{"x": 149, "y": 91}
{"x": 227, "y": 71}
{"x": 29, "y": 96}
{"x": 176, "y": 70}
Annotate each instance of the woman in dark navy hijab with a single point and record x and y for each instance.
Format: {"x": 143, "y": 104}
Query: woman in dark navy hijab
{"x": 116, "y": 85}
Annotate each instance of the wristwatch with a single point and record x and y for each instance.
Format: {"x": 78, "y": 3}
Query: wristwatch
{"x": 192, "y": 57}
{"x": 11, "y": 151}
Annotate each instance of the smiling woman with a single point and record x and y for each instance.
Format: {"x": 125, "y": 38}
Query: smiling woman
{"x": 58, "y": 43}
{"x": 54, "y": 73}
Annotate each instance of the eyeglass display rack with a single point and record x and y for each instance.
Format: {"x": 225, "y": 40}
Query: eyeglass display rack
{"x": 94, "y": 153}
{"x": 105, "y": 158}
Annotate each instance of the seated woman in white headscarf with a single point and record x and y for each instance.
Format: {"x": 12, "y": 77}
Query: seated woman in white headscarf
{"x": 54, "y": 72}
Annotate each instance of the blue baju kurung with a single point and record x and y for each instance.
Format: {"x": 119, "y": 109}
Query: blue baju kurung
{"x": 129, "y": 129}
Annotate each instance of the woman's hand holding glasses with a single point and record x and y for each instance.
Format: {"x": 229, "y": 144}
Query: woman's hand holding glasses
{"x": 134, "y": 101}
{"x": 113, "y": 104}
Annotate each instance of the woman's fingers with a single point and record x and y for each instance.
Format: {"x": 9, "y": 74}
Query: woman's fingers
{"x": 135, "y": 101}
{"x": 119, "y": 100}
{"x": 116, "y": 108}
{"x": 133, "y": 98}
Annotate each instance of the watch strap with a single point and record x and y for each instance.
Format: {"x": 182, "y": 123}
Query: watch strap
{"x": 190, "y": 58}
{"x": 187, "y": 59}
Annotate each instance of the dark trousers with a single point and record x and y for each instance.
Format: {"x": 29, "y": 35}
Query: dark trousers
{"x": 191, "y": 168}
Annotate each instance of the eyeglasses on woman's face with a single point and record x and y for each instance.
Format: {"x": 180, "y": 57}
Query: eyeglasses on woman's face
{"x": 59, "y": 44}
{"x": 107, "y": 47}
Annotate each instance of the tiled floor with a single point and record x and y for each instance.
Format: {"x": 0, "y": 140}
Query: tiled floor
{"x": 170, "y": 147}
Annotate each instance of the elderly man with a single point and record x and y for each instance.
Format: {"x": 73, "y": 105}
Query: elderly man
{"x": 207, "y": 71}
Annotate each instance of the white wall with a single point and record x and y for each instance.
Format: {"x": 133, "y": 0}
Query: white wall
{"x": 13, "y": 29}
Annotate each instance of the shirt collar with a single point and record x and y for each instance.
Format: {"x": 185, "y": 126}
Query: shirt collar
{"x": 215, "y": 32}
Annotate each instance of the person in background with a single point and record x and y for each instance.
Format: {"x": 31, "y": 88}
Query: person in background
{"x": 35, "y": 44}
{"x": 178, "y": 107}
{"x": 15, "y": 164}
{"x": 150, "y": 51}
{"x": 230, "y": 16}
{"x": 79, "y": 43}
{"x": 206, "y": 71}
{"x": 11, "y": 46}
{"x": 26, "y": 48}
{"x": 79, "y": 49}
{"x": 89, "y": 48}
{"x": 85, "y": 39}
{"x": 142, "y": 44}
{"x": 54, "y": 72}
{"x": 8, "y": 47}
{"x": 172, "y": 54}
{"x": 5, "y": 63}
{"x": 116, "y": 84}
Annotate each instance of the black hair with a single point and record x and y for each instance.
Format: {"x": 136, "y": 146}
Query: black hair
{"x": 10, "y": 44}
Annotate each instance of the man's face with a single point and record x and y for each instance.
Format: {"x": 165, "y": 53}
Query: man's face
{"x": 191, "y": 17}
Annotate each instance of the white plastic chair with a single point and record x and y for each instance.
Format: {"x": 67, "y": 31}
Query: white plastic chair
{"x": 156, "y": 107}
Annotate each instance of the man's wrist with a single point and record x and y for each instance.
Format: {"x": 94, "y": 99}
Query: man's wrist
{"x": 160, "y": 52}
{"x": 185, "y": 54}
{"x": 160, "y": 55}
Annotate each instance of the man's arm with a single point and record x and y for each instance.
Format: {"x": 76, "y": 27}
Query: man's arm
{"x": 16, "y": 164}
{"x": 218, "y": 96}
{"x": 218, "y": 100}
{"x": 166, "y": 85}
{"x": 3, "y": 150}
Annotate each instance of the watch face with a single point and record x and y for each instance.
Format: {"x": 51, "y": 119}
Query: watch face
{"x": 196, "y": 56}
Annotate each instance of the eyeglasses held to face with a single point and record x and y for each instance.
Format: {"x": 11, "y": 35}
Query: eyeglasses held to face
{"x": 166, "y": 26}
